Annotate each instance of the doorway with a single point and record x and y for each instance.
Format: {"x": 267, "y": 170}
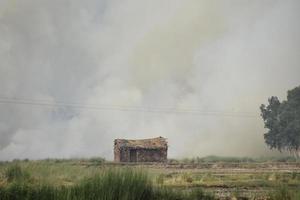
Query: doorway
{"x": 133, "y": 155}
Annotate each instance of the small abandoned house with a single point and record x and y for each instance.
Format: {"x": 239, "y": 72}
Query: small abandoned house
{"x": 147, "y": 150}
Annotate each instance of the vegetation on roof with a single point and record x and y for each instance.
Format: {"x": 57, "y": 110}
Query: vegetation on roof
{"x": 153, "y": 143}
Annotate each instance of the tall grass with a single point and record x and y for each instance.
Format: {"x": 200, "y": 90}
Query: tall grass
{"x": 16, "y": 173}
{"x": 282, "y": 192}
{"x": 111, "y": 184}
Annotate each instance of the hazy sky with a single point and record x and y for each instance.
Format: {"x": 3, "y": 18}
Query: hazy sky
{"x": 225, "y": 57}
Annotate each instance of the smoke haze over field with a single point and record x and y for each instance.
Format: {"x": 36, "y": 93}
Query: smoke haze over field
{"x": 221, "y": 56}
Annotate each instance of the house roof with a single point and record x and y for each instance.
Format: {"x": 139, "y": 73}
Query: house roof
{"x": 152, "y": 143}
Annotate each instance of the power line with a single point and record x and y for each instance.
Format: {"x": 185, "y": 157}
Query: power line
{"x": 47, "y": 103}
{"x": 63, "y": 103}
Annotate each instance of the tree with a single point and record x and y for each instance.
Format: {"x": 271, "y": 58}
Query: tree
{"x": 282, "y": 119}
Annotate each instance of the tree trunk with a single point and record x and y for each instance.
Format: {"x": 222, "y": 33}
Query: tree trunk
{"x": 295, "y": 153}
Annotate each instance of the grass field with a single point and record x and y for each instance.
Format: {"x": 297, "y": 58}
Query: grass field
{"x": 199, "y": 178}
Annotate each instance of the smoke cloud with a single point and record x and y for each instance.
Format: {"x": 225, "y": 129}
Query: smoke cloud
{"x": 225, "y": 57}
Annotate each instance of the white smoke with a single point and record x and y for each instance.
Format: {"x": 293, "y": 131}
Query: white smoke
{"x": 206, "y": 55}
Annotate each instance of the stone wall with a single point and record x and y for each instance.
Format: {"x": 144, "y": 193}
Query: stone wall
{"x": 140, "y": 155}
{"x": 151, "y": 155}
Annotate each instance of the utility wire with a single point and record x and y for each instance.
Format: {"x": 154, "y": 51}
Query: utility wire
{"x": 62, "y": 103}
{"x": 47, "y": 103}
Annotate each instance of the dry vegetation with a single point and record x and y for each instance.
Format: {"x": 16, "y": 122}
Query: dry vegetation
{"x": 223, "y": 178}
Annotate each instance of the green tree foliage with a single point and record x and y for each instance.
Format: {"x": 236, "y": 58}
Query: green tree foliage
{"x": 282, "y": 119}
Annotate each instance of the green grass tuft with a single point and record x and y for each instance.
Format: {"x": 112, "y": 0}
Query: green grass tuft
{"x": 112, "y": 184}
{"x": 16, "y": 173}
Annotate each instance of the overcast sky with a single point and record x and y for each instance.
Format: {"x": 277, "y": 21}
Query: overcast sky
{"x": 119, "y": 59}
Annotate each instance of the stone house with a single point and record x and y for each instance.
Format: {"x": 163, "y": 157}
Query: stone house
{"x": 147, "y": 150}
